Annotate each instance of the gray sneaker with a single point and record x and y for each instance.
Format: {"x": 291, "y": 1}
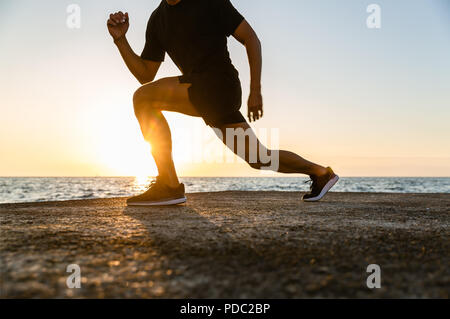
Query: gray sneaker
{"x": 320, "y": 186}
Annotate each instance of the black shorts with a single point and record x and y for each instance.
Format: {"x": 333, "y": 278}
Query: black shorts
{"x": 217, "y": 97}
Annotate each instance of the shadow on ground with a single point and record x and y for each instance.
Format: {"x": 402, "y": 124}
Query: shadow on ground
{"x": 229, "y": 245}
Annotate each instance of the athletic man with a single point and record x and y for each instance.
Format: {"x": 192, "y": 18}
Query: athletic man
{"x": 194, "y": 34}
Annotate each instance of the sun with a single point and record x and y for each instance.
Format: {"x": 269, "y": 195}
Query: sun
{"x": 133, "y": 160}
{"x": 125, "y": 153}
{"x": 120, "y": 148}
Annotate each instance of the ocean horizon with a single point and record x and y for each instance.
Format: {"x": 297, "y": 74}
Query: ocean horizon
{"x": 41, "y": 189}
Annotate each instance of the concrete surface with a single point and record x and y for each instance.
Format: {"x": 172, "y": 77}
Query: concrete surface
{"x": 229, "y": 245}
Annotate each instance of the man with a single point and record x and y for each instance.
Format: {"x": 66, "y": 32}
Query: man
{"x": 194, "y": 34}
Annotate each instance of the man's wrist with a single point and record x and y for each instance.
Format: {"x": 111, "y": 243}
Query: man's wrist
{"x": 119, "y": 39}
{"x": 255, "y": 88}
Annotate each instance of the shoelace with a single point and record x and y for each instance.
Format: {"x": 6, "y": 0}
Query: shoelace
{"x": 153, "y": 183}
{"x": 310, "y": 182}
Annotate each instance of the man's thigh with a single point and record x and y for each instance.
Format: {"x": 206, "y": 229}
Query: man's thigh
{"x": 167, "y": 94}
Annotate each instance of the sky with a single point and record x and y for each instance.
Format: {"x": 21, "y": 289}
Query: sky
{"x": 366, "y": 101}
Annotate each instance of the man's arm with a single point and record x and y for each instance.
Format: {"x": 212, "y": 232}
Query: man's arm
{"x": 143, "y": 70}
{"x": 247, "y": 36}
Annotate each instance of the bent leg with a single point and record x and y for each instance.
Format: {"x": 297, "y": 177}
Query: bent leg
{"x": 149, "y": 100}
{"x": 252, "y": 152}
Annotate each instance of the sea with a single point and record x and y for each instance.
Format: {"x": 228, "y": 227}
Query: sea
{"x": 40, "y": 189}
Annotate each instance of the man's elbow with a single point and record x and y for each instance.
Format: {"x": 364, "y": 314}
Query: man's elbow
{"x": 146, "y": 79}
{"x": 258, "y": 42}
{"x": 253, "y": 40}
{"x": 147, "y": 76}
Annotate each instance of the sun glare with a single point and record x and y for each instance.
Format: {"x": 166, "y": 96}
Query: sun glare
{"x": 142, "y": 181}
{"x": 128, "y": 157}
{"x": 120, "y": 148}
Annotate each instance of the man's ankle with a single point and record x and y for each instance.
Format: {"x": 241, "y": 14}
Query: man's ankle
{"x": 321, "y": 171}
{"x": 169, "y": 182}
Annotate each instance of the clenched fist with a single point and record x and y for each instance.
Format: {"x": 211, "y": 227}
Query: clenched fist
{"x": 118, "y": 24}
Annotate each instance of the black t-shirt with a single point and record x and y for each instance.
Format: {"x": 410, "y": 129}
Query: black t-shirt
{"x": 193, "y": 33}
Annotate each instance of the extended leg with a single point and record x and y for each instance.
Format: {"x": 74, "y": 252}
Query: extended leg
{"x": 241, "y": 139}
{"x": 288, "y": 162}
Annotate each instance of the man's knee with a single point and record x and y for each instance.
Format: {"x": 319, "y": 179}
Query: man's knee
{"x": 253, "y": 161}
{"x": 256, "y": 165}
{"x": 263, "y": 159}
{"x": 143, "y": 98}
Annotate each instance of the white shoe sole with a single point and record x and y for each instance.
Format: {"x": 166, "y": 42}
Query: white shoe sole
{"x": 161, "y": 203}
{"x": 325, "y": 190}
